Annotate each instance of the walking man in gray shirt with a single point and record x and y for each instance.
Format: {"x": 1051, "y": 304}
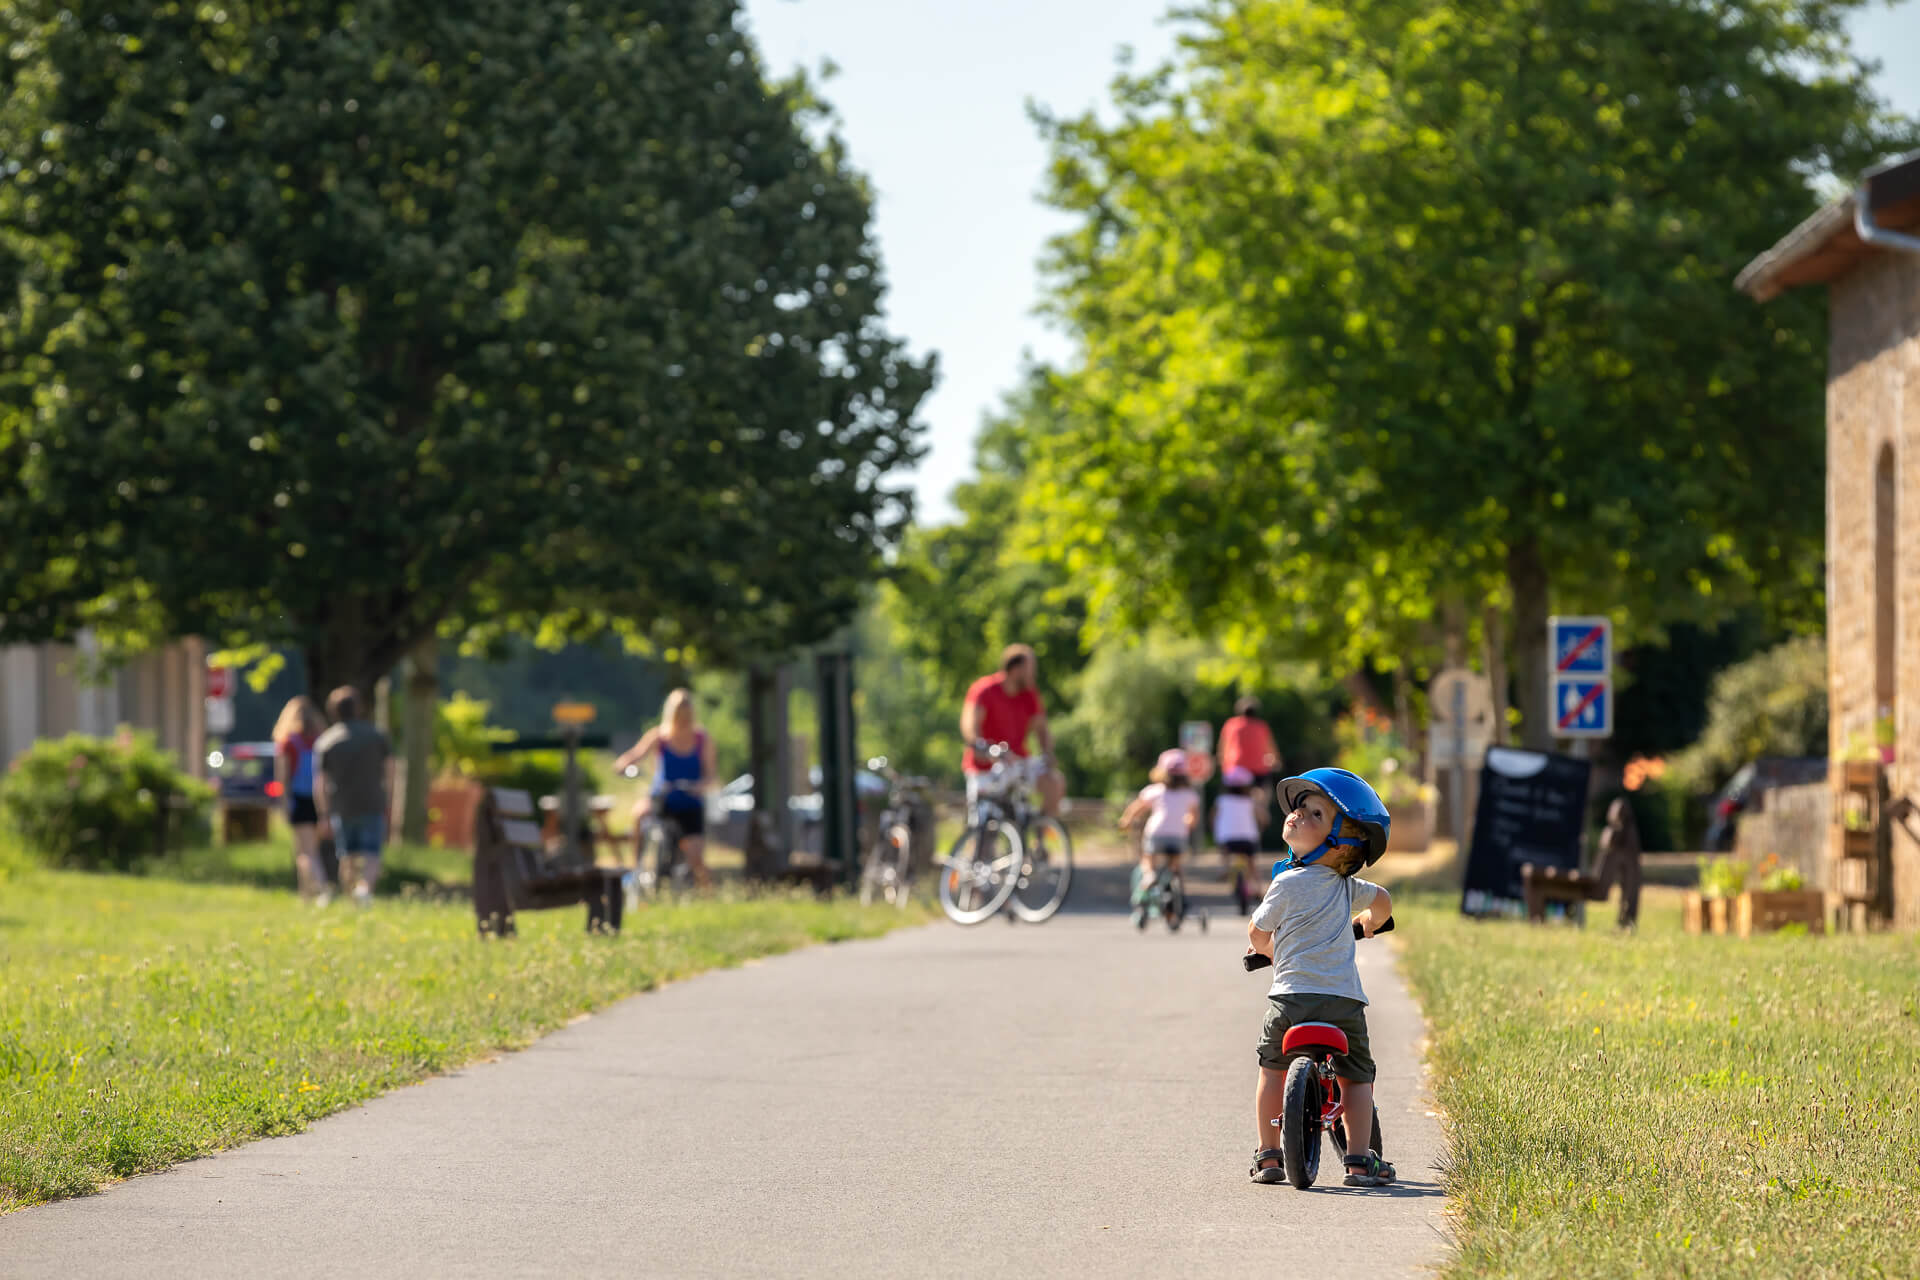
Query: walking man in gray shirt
{"x": 352, "y": 765}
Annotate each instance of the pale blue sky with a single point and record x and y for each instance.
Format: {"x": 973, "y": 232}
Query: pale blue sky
{"x": 932, "y": 97}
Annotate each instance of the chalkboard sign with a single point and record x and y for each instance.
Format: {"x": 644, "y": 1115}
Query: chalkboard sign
{"x": 1532, "y": 808}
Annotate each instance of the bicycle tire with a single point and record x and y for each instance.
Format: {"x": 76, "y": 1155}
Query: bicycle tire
{"x": 1054, "y": 877}
{"x": 973, "y": 889}
{"x": 1300, "y": 1123}
{"x": 670, "y": 870}
{"x": 1176, "y": 903}
{"x": 884, "y": 877}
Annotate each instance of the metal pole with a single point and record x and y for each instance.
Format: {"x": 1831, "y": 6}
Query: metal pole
{"x": 1459, "y": 789}
{"x": 570, "y": 797}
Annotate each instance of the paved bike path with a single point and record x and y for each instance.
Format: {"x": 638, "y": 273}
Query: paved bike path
{"x": 1067, "y": 1100}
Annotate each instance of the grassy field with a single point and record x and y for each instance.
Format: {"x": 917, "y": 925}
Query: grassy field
{"x": 1667, "y": 1105}
{"x": 144, "y": 1021}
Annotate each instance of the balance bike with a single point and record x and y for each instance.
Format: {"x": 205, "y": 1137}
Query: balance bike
{"x": 1312, "y": 1104}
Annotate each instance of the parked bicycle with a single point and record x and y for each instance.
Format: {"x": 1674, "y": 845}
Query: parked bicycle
{"x": 1312, "y": 1104}
{"x": 887, "y": 871}
{"x": 1011, "y": 856}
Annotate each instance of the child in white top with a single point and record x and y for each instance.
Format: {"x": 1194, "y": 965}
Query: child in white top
{"x": 1171, "y": 804}
{"x": 1236, "y": 822}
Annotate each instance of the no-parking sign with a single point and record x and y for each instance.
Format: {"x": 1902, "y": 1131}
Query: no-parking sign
{"x": 1580, "y": 686}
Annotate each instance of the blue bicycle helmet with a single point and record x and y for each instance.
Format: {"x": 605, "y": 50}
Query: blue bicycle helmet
{"x": 1356, "y": 802}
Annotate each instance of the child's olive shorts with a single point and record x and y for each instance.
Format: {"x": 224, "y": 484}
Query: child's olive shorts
{"x": 1348, "y": 1015}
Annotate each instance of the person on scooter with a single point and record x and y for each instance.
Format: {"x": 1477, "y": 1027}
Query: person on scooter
{"x": 1335, "y": 825}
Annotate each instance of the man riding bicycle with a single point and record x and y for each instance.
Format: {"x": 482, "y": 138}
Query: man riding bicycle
{"x": 1005, "y": 707}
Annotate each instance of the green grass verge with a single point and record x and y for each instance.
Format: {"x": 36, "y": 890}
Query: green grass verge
{"x": 1667, "y": 1105}
{"x": 145, "y": 1021}
{"x": 405, "y": 869}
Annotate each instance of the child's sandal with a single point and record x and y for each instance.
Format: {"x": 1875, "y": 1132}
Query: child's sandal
{"x": 1368, "y": 1171}
{"x": 1277, "y": 1173}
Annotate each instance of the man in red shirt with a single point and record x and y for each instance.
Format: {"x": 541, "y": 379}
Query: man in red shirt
{"x": 1005, "y": 707}
{"x": 1246, "y": 741}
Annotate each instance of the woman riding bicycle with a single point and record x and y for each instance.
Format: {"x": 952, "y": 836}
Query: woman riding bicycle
{"x": 684, "y": 774}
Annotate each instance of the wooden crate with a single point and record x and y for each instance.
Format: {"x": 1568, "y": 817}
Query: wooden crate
{"x": 1693, "y": 913}
{"x": 1718, "y": 914}
{"x": 1758, "y": 912}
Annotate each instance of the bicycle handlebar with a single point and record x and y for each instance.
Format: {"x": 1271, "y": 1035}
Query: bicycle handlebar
{"x": 1253, "y": 960}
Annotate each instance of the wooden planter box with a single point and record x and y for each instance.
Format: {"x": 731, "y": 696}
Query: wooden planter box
{"x": 1757, "y": 912}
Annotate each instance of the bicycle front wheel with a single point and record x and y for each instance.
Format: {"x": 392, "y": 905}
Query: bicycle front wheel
{"x": 1300, "y": 1123}
{"x": 980, "y": 874}
{"x": 885, "y": 877}
{"x": 1045, "y": 873}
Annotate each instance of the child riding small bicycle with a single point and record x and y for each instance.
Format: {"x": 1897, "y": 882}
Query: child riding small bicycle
{"x": 1171, "y": 804}
{"x": 1335, "y": 825}
{"x": 1236, "y": 829}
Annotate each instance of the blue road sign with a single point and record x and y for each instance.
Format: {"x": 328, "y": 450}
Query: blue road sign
{"x": 1581, "y": 646}
{"x": 1582, "y": 707}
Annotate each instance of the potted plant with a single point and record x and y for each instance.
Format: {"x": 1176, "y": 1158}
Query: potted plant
{"x": 1721, "y": 881}
{"x": 1781, "y": 899}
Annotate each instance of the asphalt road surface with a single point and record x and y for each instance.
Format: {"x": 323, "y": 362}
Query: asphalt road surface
{"x": 1070, "y": 1099}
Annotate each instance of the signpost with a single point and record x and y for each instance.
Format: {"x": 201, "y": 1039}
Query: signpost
{"x": 1461, "y": 710}
{"x": 1581, "y": 682}
{"x": 219, "y": 701}
{"x": 1196, "y": 739}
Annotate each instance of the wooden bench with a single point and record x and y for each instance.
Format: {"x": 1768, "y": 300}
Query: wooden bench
{"x": 513, "y": 872}
{"x": 1542, "y": 885}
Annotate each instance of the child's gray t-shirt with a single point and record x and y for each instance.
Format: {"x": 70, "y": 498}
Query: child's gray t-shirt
{"x": 1309, "y": 910}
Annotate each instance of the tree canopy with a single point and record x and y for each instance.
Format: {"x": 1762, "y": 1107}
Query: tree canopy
{"x": 331, "y": 324}
{"x": 1390, "y": 303}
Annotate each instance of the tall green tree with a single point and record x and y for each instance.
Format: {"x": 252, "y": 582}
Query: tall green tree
{"x": 332, "y": 324}
{"x": 1397, "y": 301}
{"x": 961, "y": 591}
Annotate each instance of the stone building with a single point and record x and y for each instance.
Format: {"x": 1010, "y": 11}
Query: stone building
{"x": 44, "y": 693}
{"x": 1866, "y": 250}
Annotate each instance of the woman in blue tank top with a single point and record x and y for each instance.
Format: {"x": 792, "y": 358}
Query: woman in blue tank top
{"x": 680, "y": 780}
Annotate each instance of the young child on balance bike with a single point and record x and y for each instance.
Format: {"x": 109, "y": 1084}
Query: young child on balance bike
{"x": 1335, "y": 825}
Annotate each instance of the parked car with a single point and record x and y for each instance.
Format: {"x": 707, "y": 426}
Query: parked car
{"x": 728, "y": 808}
{"x": 243, "y": 772}
{"x": 1746, "y": 790}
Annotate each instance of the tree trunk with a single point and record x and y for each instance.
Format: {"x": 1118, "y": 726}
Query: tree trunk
{"x": 423, "y": 697}
{"x": 1493, "y": 639}
{"x": 1527, "y": 580}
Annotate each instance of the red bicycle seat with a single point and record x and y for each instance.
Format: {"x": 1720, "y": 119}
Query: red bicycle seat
{"x": 1304, "y": 1037}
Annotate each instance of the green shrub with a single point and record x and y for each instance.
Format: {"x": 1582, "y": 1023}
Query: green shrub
{"x": 539, "y": 773}
{"x": 100, "y": 804}
{"x": 1773, "y": 704}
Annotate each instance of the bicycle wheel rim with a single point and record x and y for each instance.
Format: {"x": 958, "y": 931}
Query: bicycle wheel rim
{"x": 1046, "y": 872}
{"x": 898, "y": 871}
{"x": 978, "y": 879}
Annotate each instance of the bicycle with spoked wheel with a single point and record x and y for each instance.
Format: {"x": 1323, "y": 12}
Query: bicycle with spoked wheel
{"x": 1011, "y": 856}
{"x": 886, "y": 873}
